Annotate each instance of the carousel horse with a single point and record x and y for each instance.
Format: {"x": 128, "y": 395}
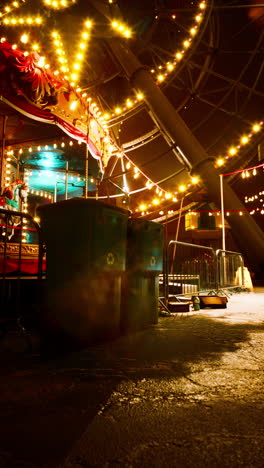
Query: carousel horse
{"x": 10, "y": 199}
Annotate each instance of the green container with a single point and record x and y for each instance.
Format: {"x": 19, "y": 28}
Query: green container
{"x": 86, "y": 253}
{"x": 140, "y": 284}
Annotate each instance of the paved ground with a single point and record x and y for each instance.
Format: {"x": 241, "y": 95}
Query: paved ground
{"x": 185, "y": 393}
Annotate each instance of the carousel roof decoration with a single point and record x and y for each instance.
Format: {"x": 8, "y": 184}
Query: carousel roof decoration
{"x": 29, "y": 85}
{"x": 35, "y": 91}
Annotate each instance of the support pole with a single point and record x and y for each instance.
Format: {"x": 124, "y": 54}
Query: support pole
{"x": 66, "y": 180}
{"x": 222, "y": 212}
{"x": 55, "y": 192}
{"x": 2, "y": 152}
{"x": 87, "y": 155}
{"x": 248, "y": 235}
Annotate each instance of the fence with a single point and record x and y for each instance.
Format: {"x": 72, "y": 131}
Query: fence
{"x": 190, "y": 269}
{"x": 22, "y": 266}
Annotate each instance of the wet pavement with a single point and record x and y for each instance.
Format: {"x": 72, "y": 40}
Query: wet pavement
{"x": 187, "y": 392}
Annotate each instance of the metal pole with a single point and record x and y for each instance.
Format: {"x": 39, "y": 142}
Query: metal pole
{"x": 87, "y": 154}
{"x": 66, "y": 180}
{"x": 2, "y": 152}
{"x": 55, "y": 191}
{"x": 222, "y": 212}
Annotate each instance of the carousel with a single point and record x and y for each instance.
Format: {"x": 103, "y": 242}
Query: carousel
{"x": 87, "y": 113}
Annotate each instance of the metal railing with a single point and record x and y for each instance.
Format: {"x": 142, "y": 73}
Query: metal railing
{"x": 230, "y": 269}
{"x": 190, "y": 269}
{"x": 21, "y": 266}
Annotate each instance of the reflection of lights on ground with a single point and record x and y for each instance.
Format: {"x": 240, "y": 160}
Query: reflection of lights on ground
{"x": 246, "y": 307}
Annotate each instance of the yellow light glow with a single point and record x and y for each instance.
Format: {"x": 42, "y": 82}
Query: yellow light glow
{"x": 118, "y": 110}
{"x": 186, "y": 44}
{"x": 170, "y": 66}
{"x": 156, "y": 201}
{"x": 124, "y": 30}
{"x": 195, "y": 180}
{"x": 142, "y": 207}
{"x": 179, "y": 56}
{"x": 244, "y": 140}
{"x": 256, "y": 128}
{"x": 73, "y": 105}
{"x": 220, "y": 162}
{"x": 161, "y": 78}
{"x": 24, "y": 38}
{"x": 232, "y": 151}
{"x": 140, "y": 96}
{"x": 168, "y": 195}
{"x": 182, "y": 188}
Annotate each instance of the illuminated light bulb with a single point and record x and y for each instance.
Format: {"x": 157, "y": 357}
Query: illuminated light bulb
{"x": 127, "y": 33}
{"x": 24, "y": 38}
{"x": 220, "y": 162}
{"x": 74, "y": 76}
{"x": 160, "y": 78}
{"x": 243, "y": 175}
{"x": 129, "y": 103}
{"x": 140, "y": 96}
{"x": 170, "y": 66}
{"x": 41, "y": 62}
{"x": 247, "y": 174}
{"x": 182, "y": 188}
{"x": 244, "y": 140}
{"x": 195, "y": 180}
{"x": 88, "y": 24}
{"x": 35, "y": 47}
{"x": 179, "y": 55}
{"x": 186, "y": 44}
{"x": 168, "y": 195}
{"x": 118, "y": 110}
{"x": 232, "y": 151}
{"x": 240, "y": 213}
{"x": 106, "y": 116}
{"x": 128, "y": 165}
{"x": 256, "y": 128}
{"x": 202, "y": 5}
{"x": 198, "y": 18}
{"x": 14, "y": 46}
{"x": 193, "y": 31}
{"x": 254, "y": 171}
{"x": 142, "y": 207}
{"x": 155, "y": 201}
{"x": 228, "y": 214}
